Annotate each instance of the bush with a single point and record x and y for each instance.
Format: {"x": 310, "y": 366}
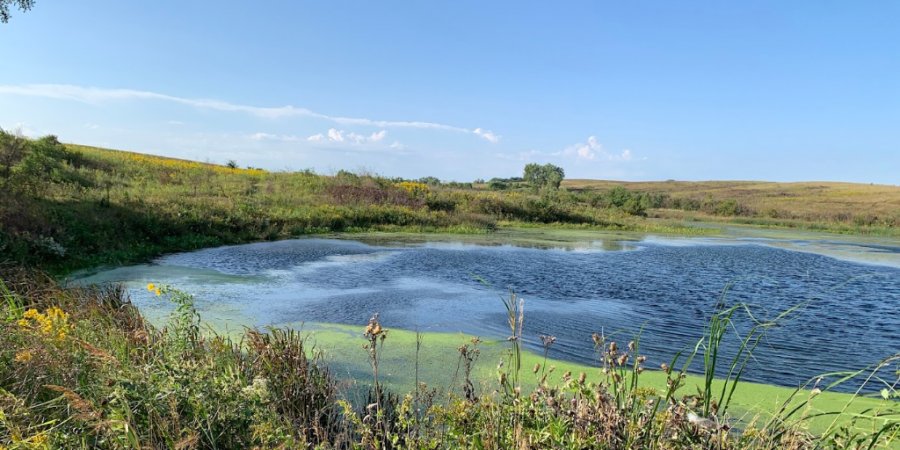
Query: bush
{"x": 497, "y": 185}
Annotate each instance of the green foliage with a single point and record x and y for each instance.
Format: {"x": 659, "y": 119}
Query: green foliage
{"x": 114, "y": 381}
{"x": 544, "y": 176}
{"x": 632, "y": 203}
{"x": 431, "y": 181}
{"x": 23, "y": 5}
{"x": 12, "y": 150}
{"x": 497, "y": 185}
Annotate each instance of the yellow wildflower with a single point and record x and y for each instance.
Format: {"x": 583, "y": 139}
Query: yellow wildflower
{"x": 24, "y": 356}
{"x": 157, "y": 292}
{"x": 151, "y": 287}
{"x": 39, "y": 441}
{"x": 53, "y": 322}
{"x": 413, "y": 188}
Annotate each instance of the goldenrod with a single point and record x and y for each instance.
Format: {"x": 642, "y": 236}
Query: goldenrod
{"x": 53, "y": 322}
{"x": 24, "y": 356}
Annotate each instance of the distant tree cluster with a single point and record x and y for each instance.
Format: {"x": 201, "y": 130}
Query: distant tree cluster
{"x": 5, "y": 5}
{"x": 544, "y": 176}
{"x": 634, "y": 203}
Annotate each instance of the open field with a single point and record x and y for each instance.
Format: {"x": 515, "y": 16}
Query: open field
{"x": 768, "y": 203}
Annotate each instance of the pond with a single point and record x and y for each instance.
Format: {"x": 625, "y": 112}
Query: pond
{"x": 572, "y": 284}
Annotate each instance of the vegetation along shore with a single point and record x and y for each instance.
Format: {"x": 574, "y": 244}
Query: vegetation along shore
{"x": 68, "y": 207}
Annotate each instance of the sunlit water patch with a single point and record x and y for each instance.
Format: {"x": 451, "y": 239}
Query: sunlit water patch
{"x": 664, "y": 288}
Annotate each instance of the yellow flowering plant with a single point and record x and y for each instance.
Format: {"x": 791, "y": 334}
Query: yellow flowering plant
{"x": 53, "y": 322}
{"x": 24, "y": 356}
{"x": 414, "y": 188}
{"x": 155, "y": 289}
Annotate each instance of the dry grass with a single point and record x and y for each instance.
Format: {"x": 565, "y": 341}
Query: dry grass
{"x": 810, "y": 201}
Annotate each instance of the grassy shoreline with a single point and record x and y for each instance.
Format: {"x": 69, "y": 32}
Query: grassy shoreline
{"x": 82, "y": 368}
{"x": 752, "y": 399}
{"x": 66, "y": 207}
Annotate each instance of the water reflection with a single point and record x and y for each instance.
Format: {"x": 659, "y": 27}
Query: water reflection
{"x": 666, "y": 288}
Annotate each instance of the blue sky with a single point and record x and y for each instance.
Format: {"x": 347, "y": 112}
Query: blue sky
{"x": 763, "y": 90}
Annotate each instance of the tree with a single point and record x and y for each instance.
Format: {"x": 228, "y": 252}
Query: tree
{"x": 23, "y": 5}
{"x": 544, "y": 176}
{"x": 231, "y": 164}
{"x": 431, "y": 181}
{"x": 12, "y": 150}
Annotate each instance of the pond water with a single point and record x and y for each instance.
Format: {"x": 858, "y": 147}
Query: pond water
{"x": 620, "y": 285}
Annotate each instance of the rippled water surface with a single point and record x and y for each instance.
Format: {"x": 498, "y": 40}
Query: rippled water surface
{"x": 666, "y": 287}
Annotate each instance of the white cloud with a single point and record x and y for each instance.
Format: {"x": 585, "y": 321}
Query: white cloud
{"x": 95, "y": 95}
{"x": 378, "y": 136}
{"x": 334, "y": 135}
{"x": 592, "y": 149}
{"x": 487, "y": 135}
